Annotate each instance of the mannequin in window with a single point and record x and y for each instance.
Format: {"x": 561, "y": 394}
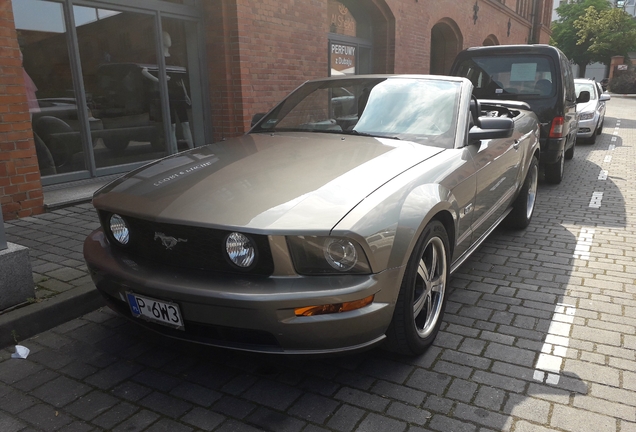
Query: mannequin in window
{"x": 177, "y": 96}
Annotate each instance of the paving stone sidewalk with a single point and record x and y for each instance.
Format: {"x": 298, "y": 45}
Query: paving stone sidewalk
{"x": 63, "y": 288}
{"x": 539, "y": 335}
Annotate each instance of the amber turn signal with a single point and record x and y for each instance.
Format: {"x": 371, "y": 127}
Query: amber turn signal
{"x": 334, "y": 308}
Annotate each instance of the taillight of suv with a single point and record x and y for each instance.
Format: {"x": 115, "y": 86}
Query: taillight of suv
{"x": 556, "y": 130}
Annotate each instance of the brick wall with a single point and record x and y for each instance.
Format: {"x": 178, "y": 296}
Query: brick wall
{"x": 20, "y": 186}
{"x": 259, "y": 51}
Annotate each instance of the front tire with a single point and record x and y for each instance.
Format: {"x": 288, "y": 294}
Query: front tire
{"x": 422, "y": 298}
{"x": 523, "y": 207}
{"x": 554, "y": 172}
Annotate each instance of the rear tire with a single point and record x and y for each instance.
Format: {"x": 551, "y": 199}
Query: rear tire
{"x": 554, "y": 172}
{"x": 523, "y": 207}
{"x": 422, "y": 299}
{"x": 569, "y": 153}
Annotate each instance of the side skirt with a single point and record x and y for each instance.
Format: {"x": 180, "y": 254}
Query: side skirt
{"x": 459, "y": 261}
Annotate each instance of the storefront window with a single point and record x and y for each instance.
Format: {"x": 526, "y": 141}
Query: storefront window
{"x": 119, "y": 66}
{"x": 179, "y": 93}
{"x": 42, "y": 36}
{"x": 132, "y": 109}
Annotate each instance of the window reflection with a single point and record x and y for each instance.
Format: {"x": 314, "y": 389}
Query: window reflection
{"x": 116, "y": 48}
{"x": 176, "y": 57}
{"x": 47, "y": 74}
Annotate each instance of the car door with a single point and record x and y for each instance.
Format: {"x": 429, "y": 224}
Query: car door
{"x": 601, "y": 104}
{"x": 497, "y": 163}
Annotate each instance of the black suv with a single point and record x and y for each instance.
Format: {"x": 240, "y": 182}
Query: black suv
{"x": 539, "y": 75}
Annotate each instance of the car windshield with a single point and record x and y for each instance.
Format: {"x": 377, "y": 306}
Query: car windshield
{"x": 585, "y": 87}
{"x": 510, "y": 77}
{"x": 423, "y": 110}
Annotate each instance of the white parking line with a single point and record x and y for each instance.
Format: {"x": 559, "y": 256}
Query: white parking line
{"x": 556, "y": 345}
{"x": 613, "y": 138}
{"x": 597, "y": 197}
{"x": 611, "y": 147}
{"x": 583, "y": 244}
{"x": 603, "y": 175}
{"x": 607, "y": 159}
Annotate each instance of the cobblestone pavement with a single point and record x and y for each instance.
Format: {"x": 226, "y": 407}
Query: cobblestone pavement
{"x": 539, "y": 334}
{"x": 55, "y": 241}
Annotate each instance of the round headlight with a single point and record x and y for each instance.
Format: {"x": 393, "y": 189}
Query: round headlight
{"x": 340, "y": 254}
{"x": 240, "y": 250}
{"x": 119, "y": 229}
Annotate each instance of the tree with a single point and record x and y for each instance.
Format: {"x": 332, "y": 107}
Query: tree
{"x": 607, "y": 33}
{"x": 565, "y": 34}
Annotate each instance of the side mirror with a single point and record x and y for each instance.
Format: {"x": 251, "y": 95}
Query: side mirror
{"x": 492, "y": 128}
{"x": 584, "y": 96}
{"x": 256, "y": 118}
{"x": 604, "y": 97}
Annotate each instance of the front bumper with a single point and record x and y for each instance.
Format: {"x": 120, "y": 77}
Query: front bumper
{"x": 587, "y": 128}
{"x": 250, "y": 313}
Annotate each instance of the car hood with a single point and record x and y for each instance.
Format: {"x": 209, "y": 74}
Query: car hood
{"x": 289, "y": 182}
{"x": 586, "y": 107}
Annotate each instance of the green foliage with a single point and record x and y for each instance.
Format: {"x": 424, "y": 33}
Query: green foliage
{"x": 625, "y": 83}
{"x": 607, "y": 33}
{"x": 565, "y": 34}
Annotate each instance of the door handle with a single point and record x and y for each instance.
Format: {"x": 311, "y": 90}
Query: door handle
{"x": 516, "y": 144}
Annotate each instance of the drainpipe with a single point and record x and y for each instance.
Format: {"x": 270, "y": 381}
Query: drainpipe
{"x": 3, "y": 239}
{"x": 535, "y": 22}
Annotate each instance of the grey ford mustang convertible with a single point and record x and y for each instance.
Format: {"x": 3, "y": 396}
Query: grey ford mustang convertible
{"x": 332, "y": 226}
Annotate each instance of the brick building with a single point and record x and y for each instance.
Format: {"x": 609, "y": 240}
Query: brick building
{"x": 159, "y": 76}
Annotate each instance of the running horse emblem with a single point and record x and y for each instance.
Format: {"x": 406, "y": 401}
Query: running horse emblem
{"x": 167, "y": 241}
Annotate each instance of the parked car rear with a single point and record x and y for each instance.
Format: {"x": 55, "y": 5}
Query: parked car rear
{"x": 539, "y": 75}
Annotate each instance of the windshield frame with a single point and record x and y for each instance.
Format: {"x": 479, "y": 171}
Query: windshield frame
{"x": 415, "y": 117}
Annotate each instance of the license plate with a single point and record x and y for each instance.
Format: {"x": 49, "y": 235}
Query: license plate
{"x": 166, "y": 313}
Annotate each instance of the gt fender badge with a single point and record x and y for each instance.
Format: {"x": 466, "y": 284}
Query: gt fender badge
{"x": 167, "y": 241}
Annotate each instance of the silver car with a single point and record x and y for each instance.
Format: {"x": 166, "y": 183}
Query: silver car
{"x": 327, "y": 228}
{"x": 591, "y": 113}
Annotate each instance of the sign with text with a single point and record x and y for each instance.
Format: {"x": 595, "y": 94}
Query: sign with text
{"x": 341, "y": 20}
{"x": 343, "y": 59}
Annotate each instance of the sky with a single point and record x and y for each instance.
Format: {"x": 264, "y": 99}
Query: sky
{"x": 49, "y": 17}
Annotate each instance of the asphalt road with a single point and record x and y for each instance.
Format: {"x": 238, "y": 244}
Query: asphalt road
{"x": 539, "y": 334}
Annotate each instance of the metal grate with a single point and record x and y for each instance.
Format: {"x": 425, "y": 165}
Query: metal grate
{"x": 190, "y": 246}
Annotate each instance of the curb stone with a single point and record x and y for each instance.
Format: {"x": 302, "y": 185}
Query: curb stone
{"x": 36, "y": 318}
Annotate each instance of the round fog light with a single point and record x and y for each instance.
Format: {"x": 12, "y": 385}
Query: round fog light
{"x": 119, "y": 229}
{"x": 340, "y": 254}
{"x": 240, "y": 250}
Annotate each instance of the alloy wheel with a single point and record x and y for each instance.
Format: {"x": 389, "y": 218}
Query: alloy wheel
{"x": 430, "y": 285}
